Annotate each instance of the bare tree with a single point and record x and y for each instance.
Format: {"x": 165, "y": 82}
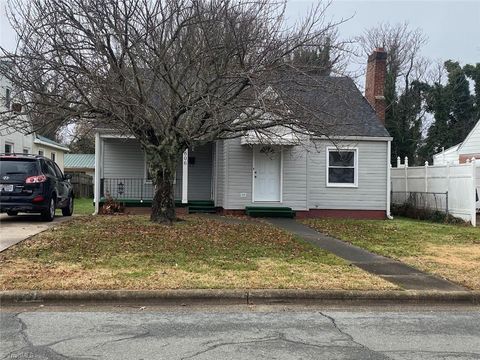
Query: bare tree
{"x": 406, "y": 68}
{"x": 172, "y": 73}
{"x": 403, "y": 46}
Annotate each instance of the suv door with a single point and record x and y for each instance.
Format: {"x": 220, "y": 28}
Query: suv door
{"x": 49, "y": 171}
{"x": 64, "y": 184}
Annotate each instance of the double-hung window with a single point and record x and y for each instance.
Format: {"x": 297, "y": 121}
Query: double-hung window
{"x": 342, "y": 167}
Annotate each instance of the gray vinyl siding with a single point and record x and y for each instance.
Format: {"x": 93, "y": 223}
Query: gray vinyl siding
{"x": 304, "y": 177}
{"x": 239, "y": 177}
{"x": 200, "y": 173}
{"x": 124, "y": 159}
{"x": 372, "y": 178}
{"x": 239, "y": 174}
{"x": 220, "y": 173}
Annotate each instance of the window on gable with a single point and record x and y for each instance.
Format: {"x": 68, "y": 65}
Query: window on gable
{"x": 342, "y": 167}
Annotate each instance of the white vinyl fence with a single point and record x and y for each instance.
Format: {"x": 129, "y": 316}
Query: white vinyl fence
{"x": 451, "y": 188}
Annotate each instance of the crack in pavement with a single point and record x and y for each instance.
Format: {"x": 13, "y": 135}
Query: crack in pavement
{"x": 31, "y": 349}
{"x": 280, "y": 336}
{"x": 350, "y": 337}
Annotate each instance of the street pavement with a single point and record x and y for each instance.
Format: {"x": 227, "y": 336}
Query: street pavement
{"x": 240, "y": 332}
{"x": 14, "y": 229}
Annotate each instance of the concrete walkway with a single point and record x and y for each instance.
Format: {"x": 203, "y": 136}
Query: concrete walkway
{"x": 396, "y": 272}
{"x": 14, "y": 229}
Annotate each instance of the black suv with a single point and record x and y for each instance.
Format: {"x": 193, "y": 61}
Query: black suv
{"x": 33, "y": 184}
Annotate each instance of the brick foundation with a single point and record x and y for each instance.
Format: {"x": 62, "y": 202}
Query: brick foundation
{"x": 345, "y": 214}
{"x": 312, "y": 213}
{"x": 318, "y": 213}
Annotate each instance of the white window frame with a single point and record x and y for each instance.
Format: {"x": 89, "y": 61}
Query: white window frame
{"x": 54, "y": 155}
{"x": 27, "y": 150}
{"x": 355, "y": 166}
{"x": 42, "y": 150}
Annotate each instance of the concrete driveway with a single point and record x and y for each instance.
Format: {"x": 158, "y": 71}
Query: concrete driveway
{"x": 14, "y": 229}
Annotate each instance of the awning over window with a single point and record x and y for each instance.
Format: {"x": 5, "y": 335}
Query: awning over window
{"x": 273, "y": 136}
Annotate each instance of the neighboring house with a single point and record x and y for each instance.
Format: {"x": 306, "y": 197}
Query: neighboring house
{"x": 14, "y": 141}
{"x": 51, "y": 149}
{"x": 80, "y": 163}
{"x": 346, "y": 175}
{"x": 460, "y": 153}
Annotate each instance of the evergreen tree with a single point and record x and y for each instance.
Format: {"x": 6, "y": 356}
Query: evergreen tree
{"x": 454, "y": 108}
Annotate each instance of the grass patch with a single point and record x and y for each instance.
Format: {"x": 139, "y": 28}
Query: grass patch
{"x": 83, "y": 206}
{"x": 129, "y": 252}
{"x": 451, "y": 251}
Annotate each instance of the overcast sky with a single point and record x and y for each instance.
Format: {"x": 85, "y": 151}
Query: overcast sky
{"x": 452, "y": 27}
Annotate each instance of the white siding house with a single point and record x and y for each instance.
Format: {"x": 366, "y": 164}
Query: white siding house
{"x": 15, "y": 139}
{"x": 468, "y": 149}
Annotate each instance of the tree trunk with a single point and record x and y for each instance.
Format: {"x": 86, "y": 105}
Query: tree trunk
{"x": 163, "y": 204}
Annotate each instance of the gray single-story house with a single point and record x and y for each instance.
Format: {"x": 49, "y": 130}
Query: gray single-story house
{"x": 345, "y": 174}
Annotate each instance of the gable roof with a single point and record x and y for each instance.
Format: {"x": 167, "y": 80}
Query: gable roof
{"x": 42, "y": 140}
{"x": 470, "y": 135}
{"x": 335, "y": 103}
{"x": 79, "y": 161}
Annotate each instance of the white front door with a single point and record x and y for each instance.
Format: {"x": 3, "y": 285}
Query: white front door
{"x": 266, "y": 173}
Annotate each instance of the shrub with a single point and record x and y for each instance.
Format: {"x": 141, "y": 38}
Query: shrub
{"x": 111, "y": 206}
{"x": 422, "y": 213}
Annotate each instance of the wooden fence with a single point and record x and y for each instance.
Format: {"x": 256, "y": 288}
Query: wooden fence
{"x": 82, "y": 185}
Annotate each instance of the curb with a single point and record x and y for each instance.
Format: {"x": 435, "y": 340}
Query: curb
{"x": 239, "y": 297}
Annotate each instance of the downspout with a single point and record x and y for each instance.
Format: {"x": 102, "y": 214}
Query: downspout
{"x": 389, "y": 183}
{"x": 97, "y": 173}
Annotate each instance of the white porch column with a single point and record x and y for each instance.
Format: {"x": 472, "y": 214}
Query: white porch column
{"x": 185, "y": 177}
{"x": 96, "y": 186}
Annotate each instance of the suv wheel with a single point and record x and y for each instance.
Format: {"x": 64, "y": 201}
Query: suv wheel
{"x": 49, "y": 213}
{"x": 12, "y": 213}
{"x": 68, "y": 210}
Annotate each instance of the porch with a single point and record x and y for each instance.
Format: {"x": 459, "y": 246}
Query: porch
{"x": 123, "y": 174}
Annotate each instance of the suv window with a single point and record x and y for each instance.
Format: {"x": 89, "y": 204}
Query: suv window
{"x": 18, "y": 167}
{"x": 47, "y": 168}
{"x": 58, "y": 171}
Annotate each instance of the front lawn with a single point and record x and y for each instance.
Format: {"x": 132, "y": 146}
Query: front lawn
{"x": 129, "y": 252}
{"x": 83, "y": 206}
{"x": 451, "y": 251}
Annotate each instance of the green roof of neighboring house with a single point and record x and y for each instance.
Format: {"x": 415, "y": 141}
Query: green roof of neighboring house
{"x": 79, "y": 161}
{"x": 39, "y": 139}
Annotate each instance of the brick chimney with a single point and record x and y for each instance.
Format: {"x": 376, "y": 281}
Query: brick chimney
{"x": 375, "y": 81}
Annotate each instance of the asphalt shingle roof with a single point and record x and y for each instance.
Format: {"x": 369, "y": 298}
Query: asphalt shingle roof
{"x": 79, "y": 161}
{"x": 334, "y": 104}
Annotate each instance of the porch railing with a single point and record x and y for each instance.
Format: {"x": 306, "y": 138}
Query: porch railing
{"x": 132, "y": 188}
